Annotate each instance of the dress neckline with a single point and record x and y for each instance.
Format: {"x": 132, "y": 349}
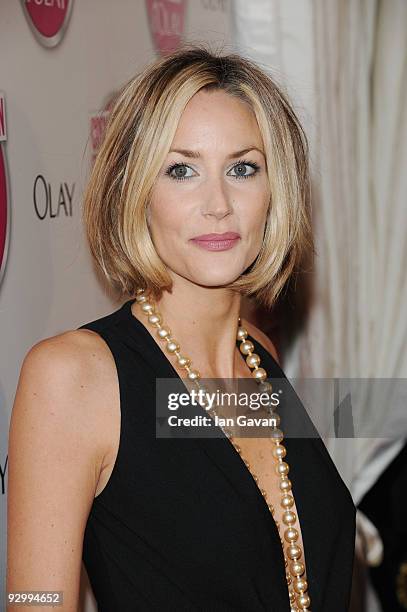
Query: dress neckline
{"x": 168, "y": 368}
{"x": 221, "y": 451}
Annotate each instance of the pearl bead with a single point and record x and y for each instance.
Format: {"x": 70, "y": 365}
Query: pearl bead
{"x": 279, "y": 451}
{"x": 297, "y": 568}
{"x": 252, "y": 360}
{"x": 241, "y": 333}
{"x": 193, "y": 374}
{"x": 172, "y": 346}
{"x": 294, "y": 552}
{"x": 300, "y": 585}
{"x": 154, "y": 318}
{"x": 289, "y": 517}
{"x": 246, "y": 347}
{"x": 282, "y": 468}
{"x": 147, "y": 307}
{"x": 276, "y": 435}
{"x": 285, "y": 485}
{"x": 163, "y": 332}
{"x": 141, "y": 298}
{"x": 303, "y": 601}
{"x": 265, "y": 387}
{"x": 291, "y": 534}
{"x": 287, "y": 501}
{"x": 259, "y": 374}
{"x": 183, "y": 361}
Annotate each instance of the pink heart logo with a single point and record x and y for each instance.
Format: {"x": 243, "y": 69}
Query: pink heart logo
{"x": 167, "y": 21}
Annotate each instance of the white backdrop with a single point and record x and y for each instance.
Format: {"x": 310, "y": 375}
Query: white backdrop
{"x": 346, "y": 62}
{"x": 51, "y": 93}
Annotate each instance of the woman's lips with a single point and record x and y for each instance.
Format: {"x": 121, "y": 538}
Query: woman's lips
{"x": 218, "y": 244}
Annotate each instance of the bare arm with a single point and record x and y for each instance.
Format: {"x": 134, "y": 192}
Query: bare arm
{"x": 56, "y": 449}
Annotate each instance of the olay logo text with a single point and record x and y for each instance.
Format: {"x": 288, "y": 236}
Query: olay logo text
{"x": 52, "y": 200}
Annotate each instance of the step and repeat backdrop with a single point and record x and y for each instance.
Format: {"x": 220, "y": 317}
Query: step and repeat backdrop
{"x": 60, "y": 63}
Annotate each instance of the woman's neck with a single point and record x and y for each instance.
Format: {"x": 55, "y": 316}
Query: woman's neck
{"x": 204, "y": 322}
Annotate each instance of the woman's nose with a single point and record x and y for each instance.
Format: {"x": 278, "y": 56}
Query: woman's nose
{"x": 217, "y": 200}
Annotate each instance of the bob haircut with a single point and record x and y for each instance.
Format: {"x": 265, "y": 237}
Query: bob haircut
{"x": 137, "y": 139}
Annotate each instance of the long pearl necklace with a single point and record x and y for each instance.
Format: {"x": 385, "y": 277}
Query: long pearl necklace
{"x": 294, "y": 567}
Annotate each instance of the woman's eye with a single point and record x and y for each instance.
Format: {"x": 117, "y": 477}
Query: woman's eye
{"x": 244, "y": 170}
{"x": 179, "y": 172}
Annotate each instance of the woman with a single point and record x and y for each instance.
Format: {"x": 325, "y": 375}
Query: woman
{"x": 199, "y": 195}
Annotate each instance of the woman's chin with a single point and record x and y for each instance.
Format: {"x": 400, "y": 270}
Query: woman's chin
{"x": 213, "y": 278}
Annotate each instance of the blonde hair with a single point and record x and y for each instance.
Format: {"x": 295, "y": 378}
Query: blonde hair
{"x": 138, "y": 136}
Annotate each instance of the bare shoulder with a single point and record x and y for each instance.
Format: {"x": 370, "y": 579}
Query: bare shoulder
{"x": 262, "y": 338}
{"x": 72, "y": 348}
{"x": 74, "y": 375}
{"x": 80, "y": 356}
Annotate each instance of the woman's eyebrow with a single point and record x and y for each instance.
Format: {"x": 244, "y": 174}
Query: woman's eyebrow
{"x": 196, "y": 154}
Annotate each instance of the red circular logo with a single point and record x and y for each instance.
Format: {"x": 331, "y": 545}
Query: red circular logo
{"x": 4, "y": 212}
{"x": 4, "y": 190}
{"x": 167, "y": 20}
{"x": 48, "y": 19}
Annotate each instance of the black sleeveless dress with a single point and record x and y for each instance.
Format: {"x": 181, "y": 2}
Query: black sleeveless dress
{"x": 181, "y": 524}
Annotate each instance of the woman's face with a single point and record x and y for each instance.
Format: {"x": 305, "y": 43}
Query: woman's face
{"x": 214, "y": 180}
